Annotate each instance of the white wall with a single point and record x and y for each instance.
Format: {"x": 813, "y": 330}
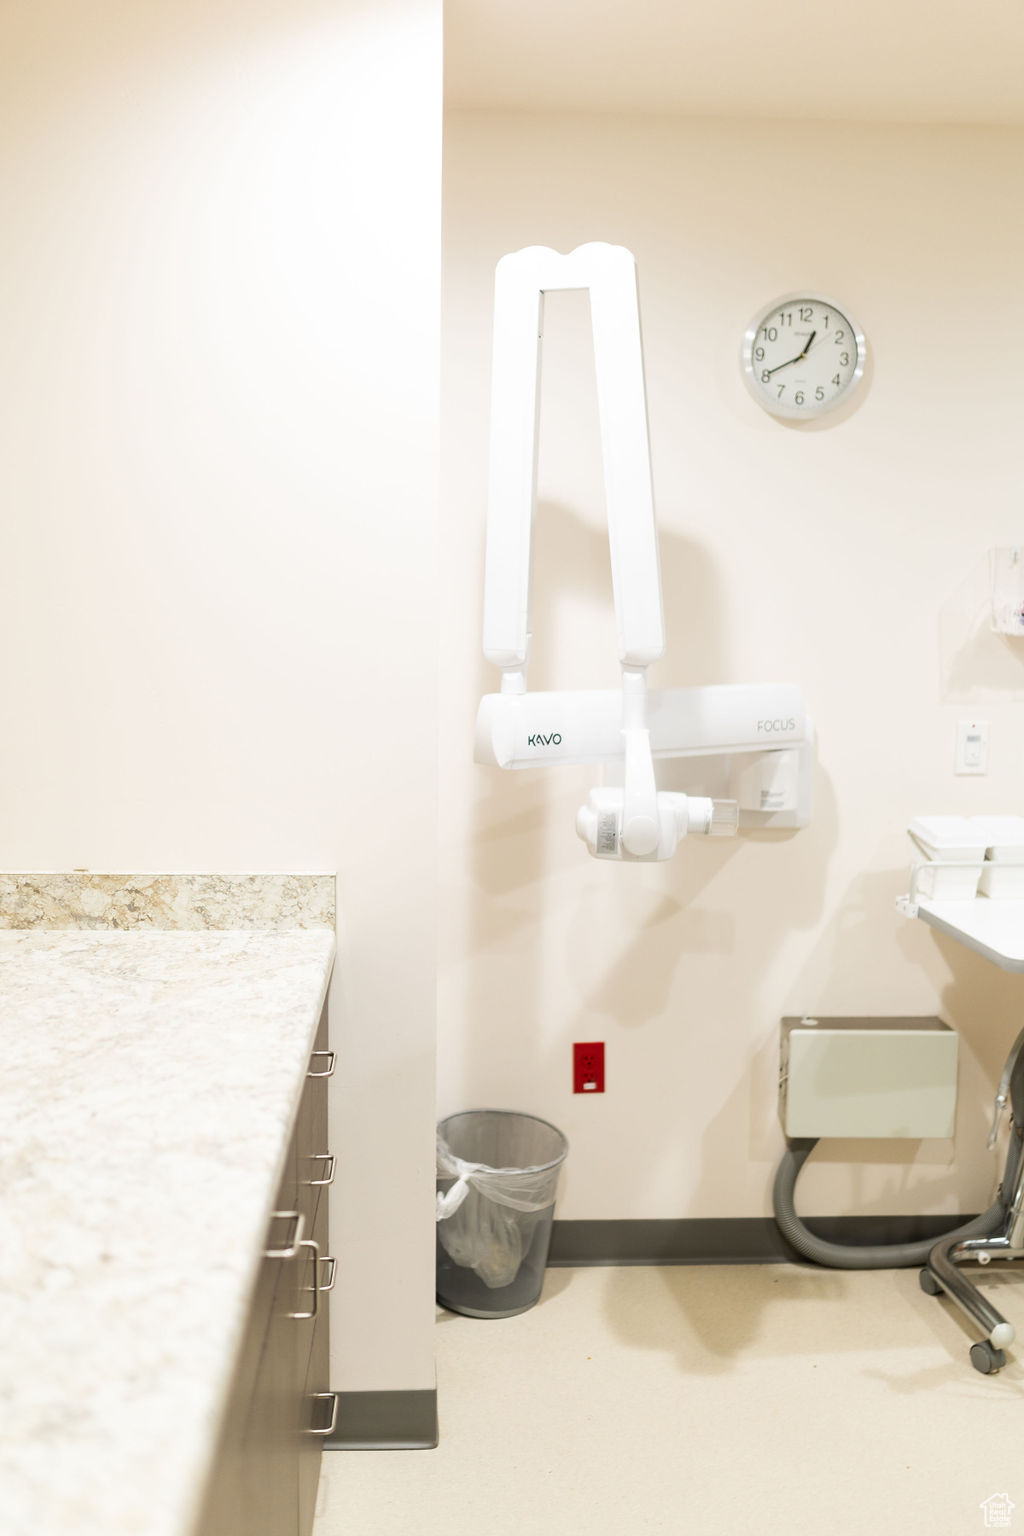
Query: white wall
{"x": 847, "y": 559}
{"x": 218, "y": 389}
{"x": 873, "y": 62}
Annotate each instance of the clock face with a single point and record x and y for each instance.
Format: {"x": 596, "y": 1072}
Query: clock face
{"x": 802, "y": 357}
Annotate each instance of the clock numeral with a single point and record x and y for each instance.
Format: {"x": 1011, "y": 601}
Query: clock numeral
{"x": 785, "y": 317}
{"x": 844, "y": 359}
{"x": 765, "y": 375}
{"x": 806, "y": 313}
{"x": 819, "y": 393}
{"x": 836, "y": 380}
{"x": 826, "y": 322}
{"x": 782, "y": 390}
{"x": 759, "y": 354}
{"x": 769, "y": 333}
{"x": 799, "y": 397}
{"x": 839, "y": 336}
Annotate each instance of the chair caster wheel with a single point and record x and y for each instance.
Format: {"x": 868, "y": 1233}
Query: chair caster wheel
{"x": 986, "y": 1359}
{"x": 929, "y": 1284}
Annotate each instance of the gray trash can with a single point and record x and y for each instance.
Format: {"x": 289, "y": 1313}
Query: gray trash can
{"x": 497, "y": 1176}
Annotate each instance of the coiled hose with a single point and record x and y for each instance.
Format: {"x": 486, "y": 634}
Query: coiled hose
{"x": 870, "y": 1255}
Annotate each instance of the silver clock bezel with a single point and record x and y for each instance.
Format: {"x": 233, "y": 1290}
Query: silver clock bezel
{"x": 814, "y": 410}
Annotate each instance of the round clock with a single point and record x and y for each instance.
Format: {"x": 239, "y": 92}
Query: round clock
{"x": 803, "y": 356}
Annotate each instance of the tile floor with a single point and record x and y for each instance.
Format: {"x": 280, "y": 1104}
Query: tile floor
{"x": 706, "y": 1401}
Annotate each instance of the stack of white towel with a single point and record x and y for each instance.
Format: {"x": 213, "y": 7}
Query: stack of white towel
{"x": 972, "y": 855}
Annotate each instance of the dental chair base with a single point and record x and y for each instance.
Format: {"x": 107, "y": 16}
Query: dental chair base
{"x": 941, "y": 1274}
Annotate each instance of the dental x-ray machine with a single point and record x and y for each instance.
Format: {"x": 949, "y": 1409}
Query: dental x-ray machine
{"x": 761, "y": 735}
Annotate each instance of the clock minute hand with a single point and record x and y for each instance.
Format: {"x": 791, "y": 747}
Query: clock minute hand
{"x": 787, "y": 364}
{"x": 798, "y": 359}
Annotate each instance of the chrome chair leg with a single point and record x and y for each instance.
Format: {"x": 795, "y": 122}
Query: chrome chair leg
{"x": 941, "y": 1274}
{"x": 942, "y": 1264}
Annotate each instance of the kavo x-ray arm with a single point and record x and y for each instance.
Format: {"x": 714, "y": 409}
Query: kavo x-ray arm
{"x": 519, "y": 729}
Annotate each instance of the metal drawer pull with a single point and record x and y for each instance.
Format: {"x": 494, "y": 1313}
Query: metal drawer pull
{"x": 315, "y": 1288}
{"x": 330, "y": 1064}
{"x": 290, "y": 1250}
{"x": 326, "y": 1397}
{"x": 327, "y": 1158}
{"x": 326, "y": 1258}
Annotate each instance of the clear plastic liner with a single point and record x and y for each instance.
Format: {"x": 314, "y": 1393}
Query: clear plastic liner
{"x": 504, "y": 1169}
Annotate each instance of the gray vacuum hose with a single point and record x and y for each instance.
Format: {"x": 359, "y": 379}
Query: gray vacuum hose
{"x": 870, "y": 1256}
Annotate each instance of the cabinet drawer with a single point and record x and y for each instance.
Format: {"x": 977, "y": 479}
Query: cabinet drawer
{"x": 311, "y": 1123}
{"x": 319, "y": 1409}
{"x": 314, "y": 1162}
{"x": 312, "y": 1274}
{"x": 317, "y": 1402}
{"x": 271, "y": 1484}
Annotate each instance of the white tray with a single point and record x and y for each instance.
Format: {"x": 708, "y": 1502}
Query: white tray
{"x": 994, "y": 929}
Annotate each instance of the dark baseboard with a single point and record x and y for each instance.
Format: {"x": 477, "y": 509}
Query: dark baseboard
{"x": 385, "y": 1421}
{"x": 402, "y": 1421}
{"x": 724, "y": 1240}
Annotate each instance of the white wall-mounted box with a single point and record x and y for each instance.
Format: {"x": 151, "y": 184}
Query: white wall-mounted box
{"x": 885, "y": 1077}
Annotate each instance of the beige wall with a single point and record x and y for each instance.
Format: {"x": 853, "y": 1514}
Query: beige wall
{"x": 218, "y": 303}
{"x": 849, "y": 560}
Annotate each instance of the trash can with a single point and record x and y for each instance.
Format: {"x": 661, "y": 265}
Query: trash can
{"x": 497, "y": 1175}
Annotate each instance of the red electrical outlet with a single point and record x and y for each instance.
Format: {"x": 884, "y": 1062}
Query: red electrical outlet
{"x": 588, "y": 1066}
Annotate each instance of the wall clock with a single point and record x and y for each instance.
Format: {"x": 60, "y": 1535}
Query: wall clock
{"x": 803, "y": 356}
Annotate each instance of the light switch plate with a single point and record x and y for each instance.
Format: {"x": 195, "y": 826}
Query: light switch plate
{"x": 971, "y": 746}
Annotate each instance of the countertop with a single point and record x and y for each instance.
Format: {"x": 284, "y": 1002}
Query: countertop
{"x": 149, "y": 1083}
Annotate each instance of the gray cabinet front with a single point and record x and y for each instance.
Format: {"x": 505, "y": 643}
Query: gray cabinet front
{"x": 280, "y": 1407}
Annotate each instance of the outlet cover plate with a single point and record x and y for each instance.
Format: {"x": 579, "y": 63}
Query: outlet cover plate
{"x": 588, "y": 1066}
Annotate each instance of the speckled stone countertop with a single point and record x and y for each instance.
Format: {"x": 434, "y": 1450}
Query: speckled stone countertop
{"x": 148, "y": 1087}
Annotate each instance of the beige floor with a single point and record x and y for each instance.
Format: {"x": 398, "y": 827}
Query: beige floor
{"x": 704, "y": 1400}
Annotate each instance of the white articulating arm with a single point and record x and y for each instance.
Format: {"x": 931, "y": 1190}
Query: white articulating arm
{"x": 608, "y": 272}
{"x": 518, "y": 729}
